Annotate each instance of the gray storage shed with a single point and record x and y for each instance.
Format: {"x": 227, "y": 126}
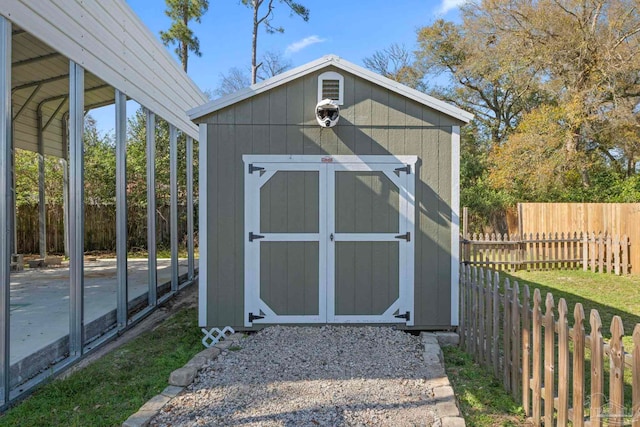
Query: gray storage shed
{"x": 306, "y": 224}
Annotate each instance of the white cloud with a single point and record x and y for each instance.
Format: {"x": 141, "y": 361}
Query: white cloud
{"x": 448, "y": 5}
{"x": 301, "y": 44}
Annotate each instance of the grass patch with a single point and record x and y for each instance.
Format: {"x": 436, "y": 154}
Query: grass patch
{"x": 109, "y": 390}
{"x": 482, "y": 399}
{"x": 609, "y": 294}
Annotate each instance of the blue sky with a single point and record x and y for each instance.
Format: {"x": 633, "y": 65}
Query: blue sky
{"x": 353, "y": 30}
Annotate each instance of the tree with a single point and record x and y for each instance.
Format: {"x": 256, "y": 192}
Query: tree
{"x": 396, "y": 63}
{"x": 181, "y": 13}
{"x": 237, "y": 78}
{"x": 587, "y": 53}
{"x": 266, "y": 19}
{"x": 486, "y": 74}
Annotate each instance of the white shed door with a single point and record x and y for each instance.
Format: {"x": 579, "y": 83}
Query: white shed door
{"x": 329, "y": 239}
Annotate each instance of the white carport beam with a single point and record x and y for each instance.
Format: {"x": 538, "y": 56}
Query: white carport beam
{"x": 121, "y": 207}
{"x": 190, "y": 245}
{"x": 173, "y": 184}
{"x": 152, "y": 261}
{"x": 76, "y": 208}
{"x": 5, "y": 146}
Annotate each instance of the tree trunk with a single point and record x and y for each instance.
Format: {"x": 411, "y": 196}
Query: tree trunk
{"x": 254, "y": 43}
{"x": 183, "y": 45}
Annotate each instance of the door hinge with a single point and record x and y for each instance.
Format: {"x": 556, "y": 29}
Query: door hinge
{"x": 253, "y": 317}
{"x": 406, "y": 316}
{"x": 406, "y": 169}
{"x": 253, "y": 169}
{"x": 253, "y": 237}
{"x": 406, "y": 236}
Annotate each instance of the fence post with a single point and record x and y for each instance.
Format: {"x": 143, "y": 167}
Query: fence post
{"x": 563, "y": 363}
{"x": 585, "y": 251}
{"x": 635, "y": 379}
{"x": 536, "y": 380}
{"x": 549, "y": 353}
{"x": 597, "y": 371}
{"x": 526, "y": 349}
{"x": 616, "y": 374}
{"x": 578, "y": 366}
{"x": 506, "y": 336}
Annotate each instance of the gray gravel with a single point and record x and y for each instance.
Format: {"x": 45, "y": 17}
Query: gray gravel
{"x": 308, "y": 376}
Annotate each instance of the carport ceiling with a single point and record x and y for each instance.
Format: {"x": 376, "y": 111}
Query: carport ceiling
{"x": 40, "y": 82}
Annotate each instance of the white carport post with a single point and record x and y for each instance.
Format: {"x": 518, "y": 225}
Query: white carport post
{"x": 121, "y": 208}
{"x": 190, "y": 245}
{"x": 64, "y": 163}
{"x": 173, "y": 184}
{"x": 152, "y": 262}
{"x": 76, "y": 208}
{"x": 5, "y": 199}
{"x": 42, "y": 209}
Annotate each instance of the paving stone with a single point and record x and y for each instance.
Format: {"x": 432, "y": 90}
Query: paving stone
{"x": 443, "y": 392}
{"x": 139, "y": 419}
{"x": 447, "y": 409}
{"x": 447, "y": 338}
{"x": 428, "y": 338}
{"x": 197, "y": 362}
{"x": 210, "y": 353}
{"x": 155, "y": 403}
{"x": 235, "y": 337}
{"x": 182, "y": 377}
{"x": 172, "y": 391}
{"x": 452, "y": 422}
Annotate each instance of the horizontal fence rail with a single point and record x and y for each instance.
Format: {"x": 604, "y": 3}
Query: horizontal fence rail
{"x": 544, "y": 357}
{"x": 600, "y": 252}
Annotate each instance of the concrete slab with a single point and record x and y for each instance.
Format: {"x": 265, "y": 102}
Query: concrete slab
{"x": 40, "y": 299}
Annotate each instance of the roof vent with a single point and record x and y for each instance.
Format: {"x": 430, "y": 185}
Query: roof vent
{"x": 331, "y": 86}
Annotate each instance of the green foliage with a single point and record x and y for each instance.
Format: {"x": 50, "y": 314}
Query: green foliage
{"x": 109, "y": 390}
{"x": 181, "y": 13}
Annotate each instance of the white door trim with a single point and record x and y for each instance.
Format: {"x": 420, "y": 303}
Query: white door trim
{"x": 260, "y": 168}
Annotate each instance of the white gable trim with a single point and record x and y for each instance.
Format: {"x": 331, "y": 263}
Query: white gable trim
{"x": 339, "y": 63}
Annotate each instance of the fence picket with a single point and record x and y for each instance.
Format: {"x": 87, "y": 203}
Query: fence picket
{"x": 597, "y": 370}
{"x": 536, "y": 380}
{"x": 635, "y": 379}
{"x": 616, "y": 255}
{"x": 506, "y": 335}
{"x": 563, "y": 363}
{"x": 463, "y": 314}
{"x": 585, "y": 252}
{"x": 625, "y": 255}
{"x": 593, "y": 248}
{"x": 578, "y": 366}
{"x": 514, "y": 362}
{"x": 488, "y": 319}
{"x": 616, "y": 374}
{"x": 549, "y": 352}
{"x": 474, "y": 312}
{"x": 609, "y": 250}
{"x": 526, "y": 349}
{"x": 496, "y": 324}
{"x": 481, "y": 322}
{"x": 600, "y": 243}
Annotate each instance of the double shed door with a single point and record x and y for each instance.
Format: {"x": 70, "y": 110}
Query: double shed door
{"x": 329, "y": 239}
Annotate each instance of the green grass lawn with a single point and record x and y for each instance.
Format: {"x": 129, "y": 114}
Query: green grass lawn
{"x": 482, "y": 400}
{"x": 109, "y": 390}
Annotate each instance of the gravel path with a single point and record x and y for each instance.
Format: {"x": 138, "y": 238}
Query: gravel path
{"x": 310, "y": 376}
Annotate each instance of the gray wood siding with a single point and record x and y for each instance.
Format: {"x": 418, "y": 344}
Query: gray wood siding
{"x": 373, "y": 121}
{"x": 289, "y": 203}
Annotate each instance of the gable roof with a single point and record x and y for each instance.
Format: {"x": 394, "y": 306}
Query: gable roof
{"x": 319, "y": 64}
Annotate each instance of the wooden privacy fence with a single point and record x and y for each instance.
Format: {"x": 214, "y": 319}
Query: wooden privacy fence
{"x": 100, "y": 227}
{"x": 555, "y": 369}
{"x": 600, "y": 252}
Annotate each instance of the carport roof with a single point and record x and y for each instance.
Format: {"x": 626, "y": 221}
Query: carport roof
{"x": 115, "y": 48}
{"x": 319, "y": 64}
